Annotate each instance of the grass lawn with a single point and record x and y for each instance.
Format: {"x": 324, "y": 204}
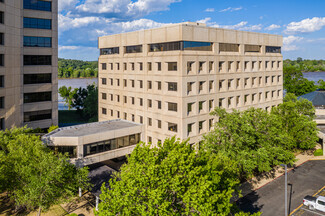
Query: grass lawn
{"x": 70, "y": 116}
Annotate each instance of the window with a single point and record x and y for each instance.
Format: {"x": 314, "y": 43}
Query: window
{"x": 133, "y": 49}
{"x": 37, "y": 60}
{"x": 227, "y": 47}
{"x": 210, "y": 104}
{"x": 159, "y": 85}
{"x": 321, "y": 202}
{"x": 149, "y": 103}
{"x": 37, "y": 97}
{"x": 210, "y": 85}
{"x": 150, "y": 121}
{"x": 201, "y": 103}
{"x": 2, "y": 38}
{"x": 37, "y": 115}
{"x": 132, "y": 83}
{"x": 149, "y": 85}
{"x": 118, "y": 66}
{"x": 201, "y": 126}
{"x": 246, "y": 82}
{"x": 132, "y": 66}
{"x": 104, "y": 111}
{"x": 104, "y": 96}
{"x": 189, "y": 87}
{"x": 2, "y": 81}
{"x": 230, "y": 83}
{"x": 37, "y": 23}
{"x": 141, "y": 66}
{"x": 252, "y": 48}
{"x": 220, "y": 84}
{"x": 141, "y": 83}
{"x": 149, "y": 66}
{"x": 189, "y": 66}
{"x": 141, "y": 119}
{"x": 37, "y": 78}
{"x": 2, "y": 102}
{"x": 125, "y": 82}
{"x": 112, "y": 97}
{"x": 170, "y": 46}
{"x": 159, "y": 104}
{"x": 201, "y": 86}
{"x": 37, "y": 5}
{"x": 110, "y": 51}
{"x": 2, "y": 17}
{"x": 125, "y": 66}
{"x": 37, "y": 41}
{"x": 111, "y": 112}
{"x": 189, "y": 128}
{"x": 237, "y": 65}
{"x": 172, "y": 106}
{"x": 111, "y": 81}
{"x": 246, "y": 65}
{"x": 118, "y": 114}
{"x": 272, "y": 49}
{"x": 237, "y": 82}
{"x": 118, "y": 82}
{"x": 159, "y": 123}
{"x": 172, "y": 66}
{"x": 104, "y": 81}
{"x": 125, "y": 99}
{"x": 159, "y": 66}
{"x": 118, "y": 98}
{"x": 149, "y": 139}
{"x": 125, "y": 116}
{"x": 201, "y": 65}
{"x": 133, "y": 117}
{"x": 260, "y": 65}
{"x": 210, "y": 66}
{"x": 245, "y": 99}
{"x": 237, "y": 100}
{"x": 141, "y": 101}
{"x": 104, "y": 66}
{"x": 220, "y": 102}
{"x": 172, "y": 127}
{"x": 210, "y": 123}
{"x": 221, "y": 66}
{"x": 111, "y": 66}
{"x": 172, "y": 86}
{"x": 197, "y": 46}
{"x": 2, "y": 59}
{"x": 189, "y": 107}
{"x": 132, "y": 100}
{"x": 2, "y": 123}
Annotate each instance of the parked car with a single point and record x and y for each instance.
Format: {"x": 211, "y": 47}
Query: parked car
{"x": 313, "y": 203}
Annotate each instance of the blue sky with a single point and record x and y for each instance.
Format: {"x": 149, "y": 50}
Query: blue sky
{"x": 301, "y": 22}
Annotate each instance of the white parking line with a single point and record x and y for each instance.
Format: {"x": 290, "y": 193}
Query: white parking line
{"x": 313, "y": 212}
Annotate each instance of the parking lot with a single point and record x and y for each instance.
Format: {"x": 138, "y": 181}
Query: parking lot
{"x": 306, "y": 179}
{"x": 304, "y": 211}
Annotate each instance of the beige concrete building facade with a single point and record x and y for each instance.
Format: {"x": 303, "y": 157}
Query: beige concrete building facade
{"x": 28, "y": 63}
{"x": 171, "y": 78}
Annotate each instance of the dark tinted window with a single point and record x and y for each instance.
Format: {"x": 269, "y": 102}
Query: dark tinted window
{"x": 172, "y": 86}
{"x": 71, "y": 150}
{"x": 2, "y": 39}
{"x": 37, "y": 60}
{"x": 110, "y": 51}
{"x": 37, "y": 97}
{"x": 252, "y": 48}
{"x": 170, "y": 46}
{"x": 37, "y": 41}
{"x": 37, "y": 23}
{"x": 37, "y": 78}
{"x": 37, "y": 115}
{"x": 227, "y": 47}
{"x": 2, "y": 59}
{"x": 272, "y": 49}
{"x": 2, "y": 81}
{"x": 37, "y": 5}
{"x": 2, "y": 102}
{"x": 2, "y": 17}
{"x": 198, "y": 46}
{"x": 133, "y": 49}
{"x": 2, "y": 123}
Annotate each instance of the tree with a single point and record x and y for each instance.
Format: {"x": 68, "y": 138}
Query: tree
{"x": 295, "y": 83}
{"x": 297, "y": 119}
{"x": 171, "y": 179}
{"x": 90, "y": 107}
{"x": 32, "y": 175}
{"x": 67, "y": 94}
{"x": 252, "y": 137}
{"x": 79, "y": 99}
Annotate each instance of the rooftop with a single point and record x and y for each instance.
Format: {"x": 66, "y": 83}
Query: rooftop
{"x": 316, "y": 97}
{"x": 91, "y": 128}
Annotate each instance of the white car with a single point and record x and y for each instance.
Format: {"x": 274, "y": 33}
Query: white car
{"x": 313, "y": 203}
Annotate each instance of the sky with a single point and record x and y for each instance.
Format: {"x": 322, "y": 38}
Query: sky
{"x": 301, "y": 22}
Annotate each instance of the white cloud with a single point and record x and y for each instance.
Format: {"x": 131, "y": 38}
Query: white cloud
{"x": 67, "y": 22}
{"x": 272, "y": 27}
{"x": 68, "y": 48}
{"x": 124, "y": 7}
{"x": 288, "y": 43}
{"x": 240, "y": 26}
{"x": 305, "y": 26}
{"x": 67, "y": 4}
{"x": 205, "y": 20}
{"x": 231, "y": 9}
{"x": 209, "y": 10}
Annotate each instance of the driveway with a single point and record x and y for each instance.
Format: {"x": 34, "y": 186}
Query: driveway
{"x": 305, "y": 179}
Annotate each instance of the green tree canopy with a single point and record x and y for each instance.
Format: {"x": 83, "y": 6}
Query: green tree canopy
{"x": 68, "y": 95}
{"x": 32, "y": 175}
{"x": 171, "y": 179}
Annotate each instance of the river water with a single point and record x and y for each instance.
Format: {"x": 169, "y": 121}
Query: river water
{"x": 76, "y": 83}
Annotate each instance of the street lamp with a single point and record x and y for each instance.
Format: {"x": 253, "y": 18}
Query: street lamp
{"x": 285, "y": 189}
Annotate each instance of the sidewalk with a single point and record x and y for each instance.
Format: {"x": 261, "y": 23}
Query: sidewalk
{"x": 261, "y": 180}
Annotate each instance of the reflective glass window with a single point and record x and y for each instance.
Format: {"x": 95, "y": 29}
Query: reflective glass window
{"x": 37, "y": 23}
{"x": 37, "y": 41}
{"x": 38, "y": 5}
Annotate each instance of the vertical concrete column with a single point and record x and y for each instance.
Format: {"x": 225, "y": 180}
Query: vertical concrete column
{"x": 241, "y": 49}
{"x": 97, "y": 202}
{"x": 263, "y": 51}
{"x": 215, "y": 48}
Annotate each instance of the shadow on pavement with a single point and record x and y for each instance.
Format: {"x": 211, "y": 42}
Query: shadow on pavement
{"x": 249, "y": 203}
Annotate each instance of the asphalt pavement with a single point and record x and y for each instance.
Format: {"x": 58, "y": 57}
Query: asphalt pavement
{"x": 305, "y": 179}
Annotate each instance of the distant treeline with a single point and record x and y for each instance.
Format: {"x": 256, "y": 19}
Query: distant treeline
{"x": 77, "y": 68}
{"x": 305, "y": 65}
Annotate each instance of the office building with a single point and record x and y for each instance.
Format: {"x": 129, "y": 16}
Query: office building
{"x": 28, "y": 63}
{"x": 171, "y": 78}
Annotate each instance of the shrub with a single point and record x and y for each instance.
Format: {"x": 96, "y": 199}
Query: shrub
{"x": 318, "y": 152}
